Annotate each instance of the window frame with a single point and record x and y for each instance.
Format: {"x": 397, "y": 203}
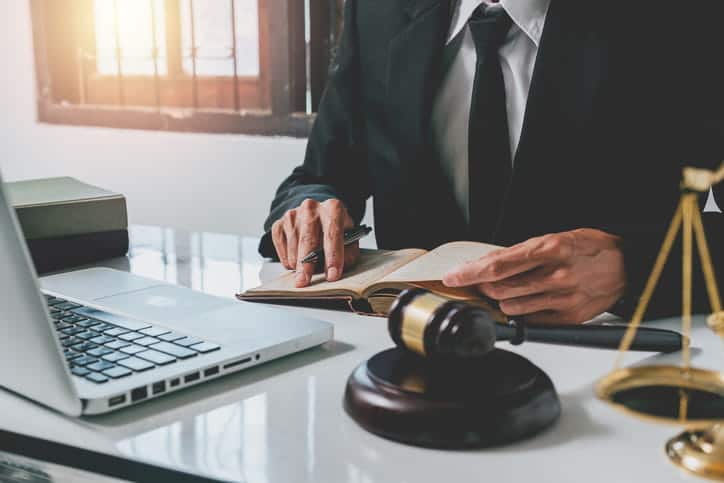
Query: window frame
{"x": 282, "y": 82}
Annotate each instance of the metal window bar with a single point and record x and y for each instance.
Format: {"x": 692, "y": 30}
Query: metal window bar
{"x": 82, "y": 76}
{"x": 194, "y": 73}
{"x": 235, "y": 84}
{"x": 282, "y": 76}
{"x": 154, "y": 53}
{"x": 119, "y": 54}
{"x": 319, "y": 46}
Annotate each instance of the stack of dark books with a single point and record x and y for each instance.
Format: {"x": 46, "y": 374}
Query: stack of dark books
{"x": 68, "y": 223}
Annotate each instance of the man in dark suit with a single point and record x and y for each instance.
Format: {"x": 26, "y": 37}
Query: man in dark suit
{"x": 556, "y": 128}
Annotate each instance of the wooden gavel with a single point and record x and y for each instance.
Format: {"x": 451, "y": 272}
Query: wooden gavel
{"x": 434, "y": 326}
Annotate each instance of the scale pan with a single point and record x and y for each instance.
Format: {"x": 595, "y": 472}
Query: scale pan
{"x": 690, "y": 397}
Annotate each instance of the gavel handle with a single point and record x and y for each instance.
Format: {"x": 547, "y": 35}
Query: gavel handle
{"x": 595, "y": 336}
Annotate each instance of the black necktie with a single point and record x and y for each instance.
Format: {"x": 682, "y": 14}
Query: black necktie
{"x": 490, "y": 162}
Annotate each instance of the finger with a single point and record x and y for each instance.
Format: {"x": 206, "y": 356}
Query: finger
{"x": 558, "y": 301}
{"x": 289, "y": 223}
{"x": 310, "y": 230}
{"x": 332, "y": 219}
{"x": 538, "y": 280}
{"x": 508, "y": 262}
{"x": 280, "y": 242}
{"x": 351, "y": 255}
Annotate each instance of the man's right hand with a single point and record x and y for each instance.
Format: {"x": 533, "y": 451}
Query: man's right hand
{"x": 309, "y": 227}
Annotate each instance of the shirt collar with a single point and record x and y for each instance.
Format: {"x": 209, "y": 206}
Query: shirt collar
{"x": 528, "y": 15}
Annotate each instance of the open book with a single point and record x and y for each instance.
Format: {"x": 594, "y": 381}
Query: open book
{"x": 379, "y": 276}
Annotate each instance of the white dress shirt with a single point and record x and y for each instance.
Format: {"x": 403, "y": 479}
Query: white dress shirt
{"x": 451, "y": 108}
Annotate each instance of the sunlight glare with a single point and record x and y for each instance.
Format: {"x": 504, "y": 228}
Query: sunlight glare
{"x": 135, "y": 34}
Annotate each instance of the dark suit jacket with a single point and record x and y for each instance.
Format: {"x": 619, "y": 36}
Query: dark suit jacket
{"x": 623, "y": 95}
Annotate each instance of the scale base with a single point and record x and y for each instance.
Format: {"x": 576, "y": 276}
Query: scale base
{"x": 497, "y": 399}
{"x": 699, "y": 452}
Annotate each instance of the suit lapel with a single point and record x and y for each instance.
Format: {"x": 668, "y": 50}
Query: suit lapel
{"x": 567, "y": 75}
{"x": 413, "y": 57}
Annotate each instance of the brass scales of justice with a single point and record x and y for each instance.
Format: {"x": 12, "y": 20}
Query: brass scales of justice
{"x": 682, "y": 395}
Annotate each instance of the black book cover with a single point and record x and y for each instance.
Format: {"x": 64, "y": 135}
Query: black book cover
{"x": 53, "y": 254}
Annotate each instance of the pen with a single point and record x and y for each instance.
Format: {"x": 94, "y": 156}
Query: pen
{"x": 350, "y": 236}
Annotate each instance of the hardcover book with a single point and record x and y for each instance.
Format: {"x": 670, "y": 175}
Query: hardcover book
{"x": 62, "y": 207}
{"x": 379, "y": 276}
{"x": 68, "y": 223}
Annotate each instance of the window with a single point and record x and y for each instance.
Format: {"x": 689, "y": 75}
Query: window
{"x": 233, "y": 66}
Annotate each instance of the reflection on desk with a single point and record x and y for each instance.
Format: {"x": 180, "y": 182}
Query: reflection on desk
{"x": 283, "y": 422}
{"x": 209, "y": 262}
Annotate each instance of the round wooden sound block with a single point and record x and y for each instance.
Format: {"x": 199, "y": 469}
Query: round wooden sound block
{"x": 494, "y": 400}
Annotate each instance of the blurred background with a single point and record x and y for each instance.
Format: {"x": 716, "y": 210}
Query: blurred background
{"x": 191, "y": 108}
{"x": 194, "y": 109}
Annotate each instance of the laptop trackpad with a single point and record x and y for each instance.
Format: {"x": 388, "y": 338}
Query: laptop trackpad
{"x": 164, "y": 304}
{"x": 211, "y": 318}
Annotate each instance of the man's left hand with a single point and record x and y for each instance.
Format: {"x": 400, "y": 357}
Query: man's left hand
{"x": 567, "y": 277}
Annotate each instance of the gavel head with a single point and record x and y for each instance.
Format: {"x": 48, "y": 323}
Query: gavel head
{"x": 434, "y": 326}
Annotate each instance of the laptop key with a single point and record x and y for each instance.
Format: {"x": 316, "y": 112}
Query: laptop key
{"x": 171, "y": 337}
{"x": 73, "y": 330}
{"x": 205, "y": 347}
{"x": 156, "y": 357}
{"x": 67, "y": 306}
{"x": 99, "y": 352}
{"x": 136, "y": 364}
{"x": 84, "y": 361}
{"x": 74, "y": 319}
{"x": 70, "y": 355}
{"x": 117, "y": 344}
{"x": 62, "y": 325}
{"x": 115, "y": 356}
{"x": 56, "y": 316}
{"x": 100, "y": 366}
{"x": 102, "y": 326}
{"x": 188, "y": 341}
{"x": 83, "y": 346}
{"x": 79, "y": 371}
{"x": 86, "y": 323}
{"x": 87, "y": 335}
{"x": 102, "y": 339}
{"x": 130, "y": 336}
{"x": 115, "y": 331}
{"x": 133, "y": 349}
{"x": 55, "y": 301}
{"x": 146, "y": 341}
{"x": 70, "y": 341}
{"x": 97, "y": 378}
{"x": 154, "y": 331}
{"x": 174, "y": 350}
{"x": 117, "y": 372}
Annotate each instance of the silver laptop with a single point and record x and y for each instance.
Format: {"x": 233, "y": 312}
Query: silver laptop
{"x": 97, "y": 340}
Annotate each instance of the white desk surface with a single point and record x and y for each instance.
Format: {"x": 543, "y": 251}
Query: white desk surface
{"x": 283, "y": 422}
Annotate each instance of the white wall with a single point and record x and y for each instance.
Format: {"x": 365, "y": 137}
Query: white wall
{"x": 197, "y": 181}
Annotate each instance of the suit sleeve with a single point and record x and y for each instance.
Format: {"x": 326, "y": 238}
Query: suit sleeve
{"x": 335, "y": 160}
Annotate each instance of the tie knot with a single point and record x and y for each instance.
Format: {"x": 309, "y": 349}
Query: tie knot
{"x": 489, "y": 27}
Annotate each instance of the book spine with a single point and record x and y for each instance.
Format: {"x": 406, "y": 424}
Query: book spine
{"x": 73, "y": 218}
{"x": 53, "y": 254}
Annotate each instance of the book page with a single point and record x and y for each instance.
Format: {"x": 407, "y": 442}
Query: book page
{"x": 372, "y": 266}
{"x": 435, "y": 264}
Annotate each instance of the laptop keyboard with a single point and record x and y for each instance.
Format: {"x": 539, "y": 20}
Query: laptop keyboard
{"x": 100, "y": 347}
